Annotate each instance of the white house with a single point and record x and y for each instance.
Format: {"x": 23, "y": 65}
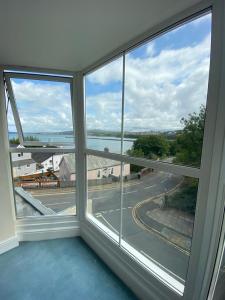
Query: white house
{"x": 23, "y": 164}
{"x": 98, "y": 168}
{"x": 47, "y": 161}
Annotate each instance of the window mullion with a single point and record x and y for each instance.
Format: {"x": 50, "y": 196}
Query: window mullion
{"x": 122, "y": 164}
{"x": 156, "y": 165}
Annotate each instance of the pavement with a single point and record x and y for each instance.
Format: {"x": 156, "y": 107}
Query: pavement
{"x": 176, "y": 226}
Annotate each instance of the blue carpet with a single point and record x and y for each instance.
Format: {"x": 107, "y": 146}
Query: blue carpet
{"x": 58, "y": 269}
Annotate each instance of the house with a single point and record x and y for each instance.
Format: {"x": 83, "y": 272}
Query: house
{"x": 22, "y": 164}
{"x": 98, "y": 168}
{"x": 47, "y": 161}
{"x": 24, "y": 167}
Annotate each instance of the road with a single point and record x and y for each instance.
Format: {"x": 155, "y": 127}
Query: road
{"x": 106, "y": 208}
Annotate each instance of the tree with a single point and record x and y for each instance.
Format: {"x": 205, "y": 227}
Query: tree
{"x": 15, "y": 141}
{"x": 189, "y": 141}
{"x": 150, "y": 146}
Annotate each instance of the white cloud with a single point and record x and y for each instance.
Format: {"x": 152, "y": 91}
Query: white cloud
{"x": 104, "y": 111}
{"x": 159, "y": 90}
{"x": 103, "y": 75}
{"x": 42, "y": 106}
{"x": 150, "y": 51}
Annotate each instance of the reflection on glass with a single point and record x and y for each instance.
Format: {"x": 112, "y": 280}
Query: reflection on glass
{"x": 44, "y": 109}
{"x": 158, "y": 217}
{"x": 103, "y": 90}
{"x": 44, "y": 183}
{"x": 165, "y": 94}
{"x": 104, "y": 192}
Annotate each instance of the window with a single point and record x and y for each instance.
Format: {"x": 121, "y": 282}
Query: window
{"x": 103, "y": 107}
{"x": 150, "y": 208}
{"x": 41, "y": 108}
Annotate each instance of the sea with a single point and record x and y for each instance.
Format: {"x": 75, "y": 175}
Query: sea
{"x": 100, "y": 143}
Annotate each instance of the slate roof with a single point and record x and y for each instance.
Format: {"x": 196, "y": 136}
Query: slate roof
{"x": 22, "y": 162}
{"x": 39, "y": 157}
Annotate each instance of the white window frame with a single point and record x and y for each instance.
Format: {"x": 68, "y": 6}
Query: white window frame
{"x": 206, "y": 235}
{"x": 12, "y": 99}
{"x": 202, "y": 257}
{"x": 44, "y": 227}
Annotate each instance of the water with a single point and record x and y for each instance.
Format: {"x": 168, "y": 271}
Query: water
{"x": 93, "y": 142}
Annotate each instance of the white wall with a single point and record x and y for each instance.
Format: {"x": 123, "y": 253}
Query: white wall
{"x": 7, "y": 214}
{"x": 20, "y": 156}
{"x": 24, "y": 170}
{"x": 52, "y": 162}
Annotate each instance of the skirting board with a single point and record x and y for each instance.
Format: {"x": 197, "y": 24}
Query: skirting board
{"x": 47, "y": 234}
{"x": 129, "y": 271}
{"x": 9, "y": 244}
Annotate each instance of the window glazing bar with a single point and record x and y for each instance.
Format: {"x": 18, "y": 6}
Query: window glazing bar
{"x": 122, "y": 164}
{"x": 156, "y": 165}
{"x": 44, "y": 77}
{"x": 14, "y": 110}
{"x": 36, "y": 70}
{"x": 42, "y": 149}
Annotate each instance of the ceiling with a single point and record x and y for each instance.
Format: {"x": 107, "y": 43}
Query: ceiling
{"x": 72, "y": 34}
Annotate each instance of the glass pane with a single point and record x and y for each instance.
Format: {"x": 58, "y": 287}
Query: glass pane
{"x": 158, "y": 217}
{"x": 45, "y": 110}
{"x": 103, "y": 90}
{"x": 44, "y": 183}
{"x": 104, "y": 193}
{"x": 166, "y": 83}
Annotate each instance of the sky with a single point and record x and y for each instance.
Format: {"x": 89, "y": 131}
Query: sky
{"x": 43, "y": 106}
{"x": 165, "y": 79}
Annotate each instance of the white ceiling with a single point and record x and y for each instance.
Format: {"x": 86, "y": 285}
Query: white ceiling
{"x": 72, "y": 34}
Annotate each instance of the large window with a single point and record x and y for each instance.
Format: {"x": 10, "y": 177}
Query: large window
{"x": 156, "y": 117}
{"x": 41, "y": 139}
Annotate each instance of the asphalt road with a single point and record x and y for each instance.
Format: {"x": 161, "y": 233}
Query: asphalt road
{"x": 106, "y": 208}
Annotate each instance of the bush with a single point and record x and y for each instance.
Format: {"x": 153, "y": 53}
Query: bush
{"x": 185, "y": 198}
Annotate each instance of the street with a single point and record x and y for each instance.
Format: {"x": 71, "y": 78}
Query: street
{"x": 106, "y": 208}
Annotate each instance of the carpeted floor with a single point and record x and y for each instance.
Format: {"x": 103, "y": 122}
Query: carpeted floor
{"x": 58, "y": 269}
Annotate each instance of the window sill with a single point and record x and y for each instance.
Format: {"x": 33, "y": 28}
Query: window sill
{"x": 50, "y": 227}
{"x": 148, "y": 264}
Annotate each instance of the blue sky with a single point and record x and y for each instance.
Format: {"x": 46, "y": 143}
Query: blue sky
{"x": 165, "y": 80}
